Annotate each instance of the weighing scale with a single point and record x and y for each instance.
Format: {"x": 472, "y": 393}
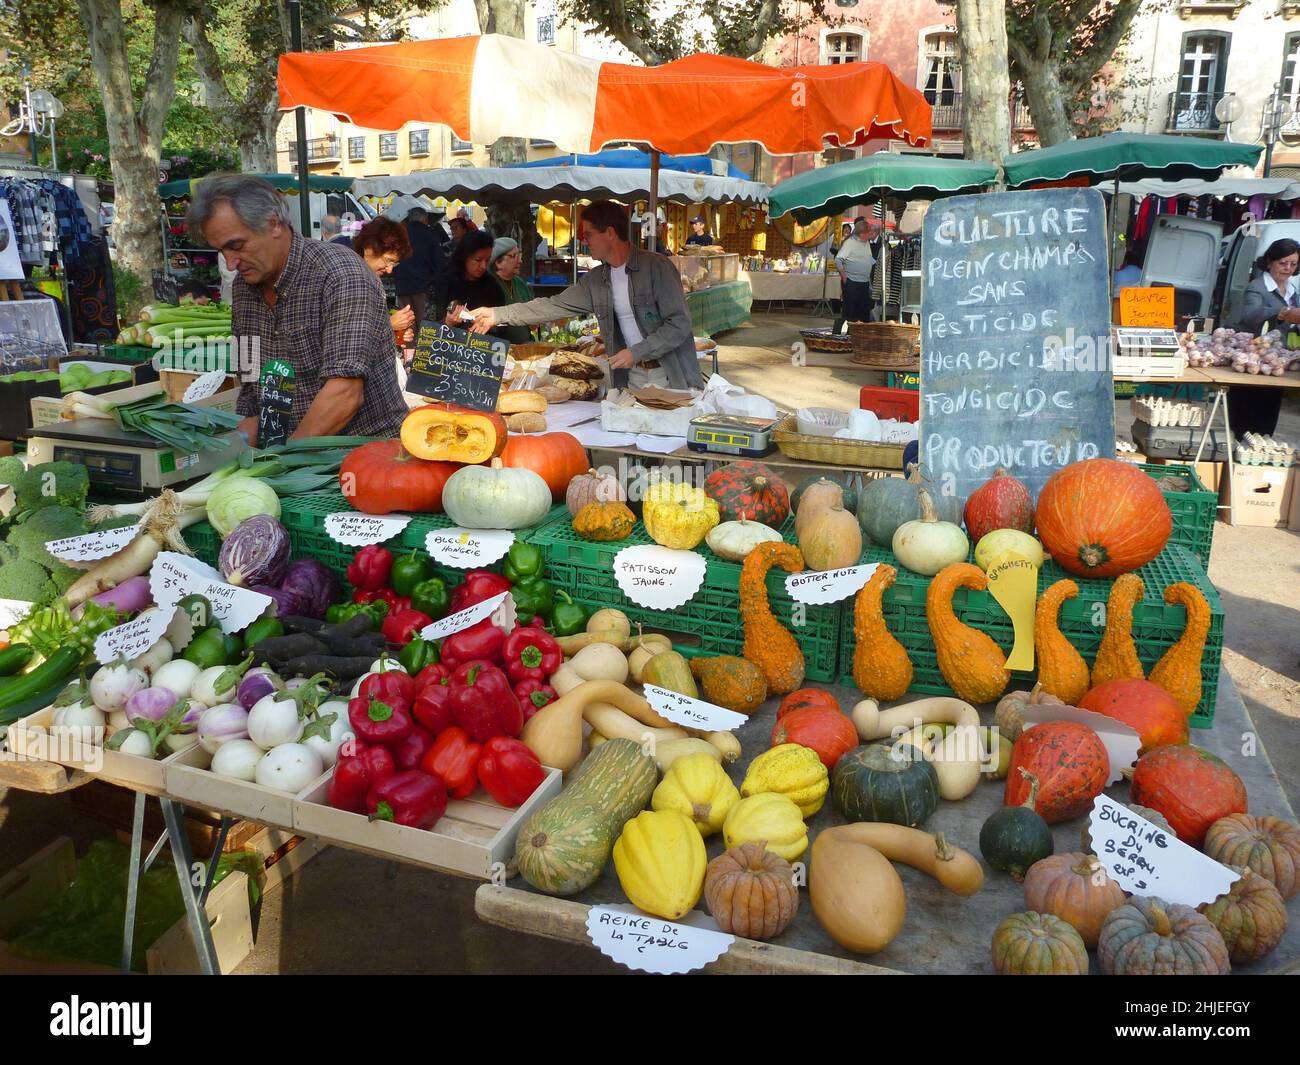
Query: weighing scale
{"x": 731, "y": 434}
{"x": 124, "y": 462}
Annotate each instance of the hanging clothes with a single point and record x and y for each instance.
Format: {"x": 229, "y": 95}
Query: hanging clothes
{"x": 25, "y": 209}
{"x": 94, "y": 300}
{"x": 74, "y": 232}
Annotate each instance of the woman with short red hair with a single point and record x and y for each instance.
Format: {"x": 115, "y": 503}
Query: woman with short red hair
{"x": 382, "y": 244}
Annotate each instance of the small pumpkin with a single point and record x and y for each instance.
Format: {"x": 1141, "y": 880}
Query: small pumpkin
{"x": 1061, "y": 669}
{"x": 881, "y": 667}
{"x": 1076, "y": 888}
{"x": 493, "y": 497}
{"x": 557, "y": 458}
{"x": 793, "y": 771}
{"x": 594, "y": 486}
{"x": 1001, "y": 502}
{"x": 750, "y": 892}
{"x": 807, "y": 697}
{"x": 698, "y": 787}
{"x": 831, "y": 539}
{"x": 879, "y": 782}
{"x": 1190, "y": 786}
{"x": 1015, "y": 837}
{"x": 970, "y": 662}
{"x": 827, "y": 732}
{"x": 1070, "y": 763}
{"x": 1008, "y": 715}
{"x": 604, "y": 522}
{"x": 1146, "y": 708}
{"x": 1267, "y": 845}
{"x": 731, "y": 682}
{"x": 819, "y": 498}
{"x": 1179, "y": 668}
{"x": 443, "y": 433}
{"x": 888, "y": 502}
{"x": 749, "y": 490}
{"x": 1145, "y": 812}
{"x": 1251, "y": 917}
{"x": 1038, "y": 944}
{"x": 768, "y": 817}
{"x": 927, "y": 544}
{"x": 1117, "y": 657}
{"x": 1150, "y": 937}
{"x": 768, "y": 643}
{"x": 678, "y": 515}
{"x": 382, "y": 477}
{"x": 734, "y": 540}
{"x": 660, "y": 862}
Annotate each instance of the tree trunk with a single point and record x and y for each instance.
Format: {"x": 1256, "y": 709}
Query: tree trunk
{"x": 257, "y": 154}
{"x": 1045, "y": 96}
{"x": 986, "y": 85}
{"x": 134, "y": 133}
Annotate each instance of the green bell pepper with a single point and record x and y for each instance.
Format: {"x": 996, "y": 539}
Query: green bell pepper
{"x": 532, "y": 597}
{"x": 262, "y": 630}
{"x": 408, "y": 571}
{"x": 431, "y": 597}
{"x": 234, "y": 647}
{"x": 417, "y": 654}
{"x": 568, "y": 618}
{"x": 340, "y": 612}
{"x": 208, "y": 648}
{"x": 523, "y": 561}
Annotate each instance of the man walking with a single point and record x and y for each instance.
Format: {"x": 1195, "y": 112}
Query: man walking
{"x": 413, "y": 276}
{"x": 855, "y": 261}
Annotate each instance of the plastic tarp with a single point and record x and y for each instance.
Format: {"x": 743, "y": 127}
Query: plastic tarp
{"x": 284, "y": 182}
{"x": 1283, "y": 188}
{"x": 635, "y": 159}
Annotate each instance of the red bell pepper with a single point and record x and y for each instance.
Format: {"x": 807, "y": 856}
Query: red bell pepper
{"x": 409, "y": 752}
{"x": 390, "y": 684}
{"x": 533, "y": 695}
{"x": 453, "y": 758}
{"x": 433, "y": 673}
{"x": 369, "y": 569}
{"x": 509, "y": 770}
{"x": 483, "y": 702}
{"x": 531, "y": 654}
{"x": 403, "y": 626}
{"x": 412, "y": 798}
{"x": 359, "y": 766}
{"x": 479, "y": 585}
{"x": 364, "y": 597}
{"x": 432, "y": 707}
{"x": 483, "y": 641}
{"x": 379, "y": 722}
{"x": 391, "y": 598}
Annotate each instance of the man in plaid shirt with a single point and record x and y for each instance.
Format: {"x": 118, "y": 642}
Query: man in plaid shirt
{"x": 325, "y": 363}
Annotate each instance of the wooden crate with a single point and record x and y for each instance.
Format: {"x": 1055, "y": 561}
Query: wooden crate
{"x": 114, "y": 806}
{"x": 188, "y": 780}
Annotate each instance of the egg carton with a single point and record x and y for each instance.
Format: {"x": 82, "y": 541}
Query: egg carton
{"x": 1257, "y": 450}
{"x": 1125, "y": 447}
{"x": 1159, "y": 411}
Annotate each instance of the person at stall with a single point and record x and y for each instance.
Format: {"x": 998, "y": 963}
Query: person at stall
{"x": 383, "y": 245}
{"x": 855, "y": 261}
{"x": 661, "y": 239}
{"x": 322, "y": 342}
{"x": 415, "y": 273}
{"x": 330, "y": 227}
{"x": 700, "y": 232}
{"x": 466, "y": 280}
{"x": 506, "y": 261}
{"x": 846, "y": 231}
{"x": 635, "y": 295}
{"x": 1273, "y": 296}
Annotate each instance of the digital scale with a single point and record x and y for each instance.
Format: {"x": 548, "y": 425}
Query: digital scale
{"x": 1143, "y": 352}
{"x": 124, "y": 462}
{"x": 731, "y": 434}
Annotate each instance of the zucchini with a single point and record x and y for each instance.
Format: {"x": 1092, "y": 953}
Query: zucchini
{"x": 13, "y": 658}
{"x": 52, "y": 673}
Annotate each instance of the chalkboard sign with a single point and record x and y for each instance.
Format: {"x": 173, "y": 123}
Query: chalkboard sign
{"x": 165, "y": 289}
{"x": 1015, "y": 337}
{"x": 453, "y": 366}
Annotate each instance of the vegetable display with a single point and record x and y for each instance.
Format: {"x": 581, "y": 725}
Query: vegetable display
{"x": 1076, "y": 888}
{"x": 1147, "y": 936}
{"x": 1038, "y": 944}
{"x": 660, "y": 860}
{"x": 1268, "y": 846}
{"x": 1061, "y": 669}
{"x": 749, "y": 491}
{"x": 751, "y": 892}
{"x": 768, "y": 644}
{"x": 1190, "y": 786}
{"x": 1070, "y": 764}
{"x": 881, "y": 667}
{"x": 971, "y": 663}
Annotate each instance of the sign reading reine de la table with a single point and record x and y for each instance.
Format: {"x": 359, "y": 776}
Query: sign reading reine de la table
{"x": 453, "y": 366}
{"x": 1015, "y": 313}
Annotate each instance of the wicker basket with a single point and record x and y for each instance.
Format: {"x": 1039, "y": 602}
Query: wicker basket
{"x": 886, "y": 345}
{"x": 825, "y": 341}
{"x": 836, "y": 452}
{"x": 536, "y": 350}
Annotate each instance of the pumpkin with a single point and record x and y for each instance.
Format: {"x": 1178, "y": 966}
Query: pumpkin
{"x": 731, "y": 682}
{"x": 677, "y": 515}
{"x": 807, "y": 697}
{"x": 1117, "y": 657}
{"x": 1061, "y": 669}
{"x": 660, "y": 862}
{"x": 555, "y": 457}
{"x": 750, "y": 891}
{"x": 877, "y": 782}
{"x": 888, "y": 502}
{"x": 927, "y": 544}
{"x": 819, "y": 498}
{"x": 1149, "y": 710}
{"x": 1179, "y": 668}
{"x": 382, "y": 476}
{"x": 594, "y": 486}
{"x": 1071, "y": 765}
{"x": 831, "y": 539}
{"x": 604, "y": 522}
{"x": 749, "y": 490}
{"x": 793, "y": 771}
{"x": 1038, "y": 944}
{"x": 1251, "y": 917}
{"x": 443, "y": 433}
{"x": 992, "y": 546}
{"x": 768, "y": 643}
{"x": 881, "y": 668}
{"x": 1267, "y": 845}
{"x": 1191, "y": 787}
{"x": 1015, "y": 837}
{"x": 827, "y": 732}
{"x": 698, "y": 787}
{"x": 1001, "y": 502}
{"x": 848, "y": 497}
{"x": 768, "y": 817}
{"x": 1076, "y": 888}
{"x": 856, "y": 894}
{"x": 1102, "y": 517}
{"x": 1150, "y": 937}
{"x": 1008, "y": 715}
{"x": 1145, "y": 812}
{"x": 973, "y": 666}
{"x": 493, "y": 497}
{"x": 734, "y": 540}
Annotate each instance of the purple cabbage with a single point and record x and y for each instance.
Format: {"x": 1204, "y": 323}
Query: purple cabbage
{"x": 255, "y": 552}
{"x": 315, "y": 585}
{"x": 287, "y": 603}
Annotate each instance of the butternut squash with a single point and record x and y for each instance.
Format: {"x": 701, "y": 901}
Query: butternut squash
{"x": 873, "y": 723}
{"x": 1179, "y": 668}
{"x": 957, "y": 755}
{"x": 1117, "y": 657}
{"x": 953, "y": 867}
{"x": 971, "y": 663}
{"x": 554, "y": 733}
{"x": 856, "y": 894}
{"x": 881, "y": 667}
{"x": 609, "y": 720}
{"x": 1061, "y": 669}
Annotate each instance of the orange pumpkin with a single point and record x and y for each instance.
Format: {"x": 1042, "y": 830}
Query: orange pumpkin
{"x": 827, "y": 732}
{"x": 1147, "y": 708}
{"x": 381, "y": 477}
{"x": 1071, "y": 765}
{"x": 444, "y": 433}
{"x": 1102, "y": 517}
{"x": 557, "y": 457}
{"x": 1191, "y": 787}
{"x": 797, "y": 700}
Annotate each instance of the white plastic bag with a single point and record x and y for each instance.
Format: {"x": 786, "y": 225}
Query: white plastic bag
{"x": 722, "y": 397}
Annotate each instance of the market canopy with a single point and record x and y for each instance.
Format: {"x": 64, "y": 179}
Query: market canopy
{"x": 831, "y": 190}
{"x": 284, "y": 182}
{"x": 494, "y": 86}
{"x": 548, "y": 184}
{"x": 1128, "y": 157}
{"x": 635, "y": 159}
{"x": 1283, "y": 188}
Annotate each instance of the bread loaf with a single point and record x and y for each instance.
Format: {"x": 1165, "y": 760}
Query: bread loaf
{"x": 528, "y": 422}
{"x": 521, "y": 401}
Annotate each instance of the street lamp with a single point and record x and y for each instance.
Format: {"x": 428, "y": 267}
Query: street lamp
{"x": 1277, "y": 114}
{"x": 48, "y": 106}
{"x": 35, "y": 111}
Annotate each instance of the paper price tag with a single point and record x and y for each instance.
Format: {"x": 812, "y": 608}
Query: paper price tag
{"x": 174, "y": 575}
{"x": 13, "y": 611}
{"x": 1121, "y": 741}
{"x": 92, "y": 546}
{"x": 693, "y": 713}
{"x": 1013, "y": 582}
{"x": 653, "y": 945}
{"x": 500, "y": 608}
{"x": 658, "y": 577}
{"x": 133, "y": 638}
{"x": 205, "y": 385}
{"x": 468, "y": 548}
{"x": 361, "y": 530}
{"x": 1144, "y": 859}
{"x": 829, "y": 586}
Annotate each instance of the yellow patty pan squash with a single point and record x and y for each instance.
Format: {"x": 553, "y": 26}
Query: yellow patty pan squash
{"x": 769, "y": 817}
{"x": 793, "y": 771}
{"x": 678, "y": 515}
{"x": 698, "y": 787}
{"x": 660, "y": 861}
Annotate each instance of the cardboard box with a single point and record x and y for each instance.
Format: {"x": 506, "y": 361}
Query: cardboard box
{"x": 1259, "y": 495}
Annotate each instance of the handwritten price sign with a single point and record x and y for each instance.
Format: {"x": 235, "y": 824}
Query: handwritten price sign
{"x": 500, "y": 608}
{"x": 829, "y": 586}
{"x": 693, "y": 713}
{"x": 468, "y": 548}
{"x": 174, "y": 576}
{"x": 92, "y": 546}
{"x": 133, "y": 638}
{"x": 652, "y": 944}
{"x": 658, "y": 577}
{"x": 361, "y": 530}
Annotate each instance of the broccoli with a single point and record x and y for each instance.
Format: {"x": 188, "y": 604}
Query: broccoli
{"x": 25, "y": 580}
{"x": 11, "y": 467}
{"x": 64, "y": 577}
{"x": 31, "y": 534}
{"x": 52, "y": 484}
{"x": 120, "y": 522}
{"x": 7, "y": 552}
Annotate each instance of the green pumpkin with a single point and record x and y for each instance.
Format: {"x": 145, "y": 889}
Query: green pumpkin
{"x": 875, "y": 782}
{"x": 1015, "y": 837}
{"x": 842, "y": 481}
{"x": 1038, "y": 944}
{"x": 888, "y": 502}
{"x": 496, "y": 497}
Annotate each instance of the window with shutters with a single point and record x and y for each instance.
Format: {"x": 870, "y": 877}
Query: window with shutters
{"x": 356, "y": 149}
{"x": 388, "y": 146}
{"x": 843, "y": 48}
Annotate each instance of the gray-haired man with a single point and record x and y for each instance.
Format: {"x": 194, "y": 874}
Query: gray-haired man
{"x": 325, "y": 359}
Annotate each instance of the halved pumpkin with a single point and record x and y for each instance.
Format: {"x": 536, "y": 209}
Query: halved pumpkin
{"x": 445, "y": 433}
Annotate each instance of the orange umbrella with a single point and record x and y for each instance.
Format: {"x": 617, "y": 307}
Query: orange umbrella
{"x": 494, "y": 86}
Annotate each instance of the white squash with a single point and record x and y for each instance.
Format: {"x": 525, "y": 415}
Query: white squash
{"x": 600, "y": 661}
{"x": 734, "y": 540}
{"x": 496, "y": 497}
{"x": 926, "y": 545}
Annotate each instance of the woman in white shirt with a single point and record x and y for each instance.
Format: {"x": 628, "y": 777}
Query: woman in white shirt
{"x": 1274, "y": 296}
{"x": 855, "y": 261}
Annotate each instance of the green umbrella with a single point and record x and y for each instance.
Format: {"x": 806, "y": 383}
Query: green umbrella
{"x": 284, "y": 182}
{"x": 1128, "y": 157}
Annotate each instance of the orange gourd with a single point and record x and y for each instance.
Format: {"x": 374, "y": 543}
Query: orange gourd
{"x": 881, "y": 667}
{"x": 1061, "y": 669}
{"x": 971, "y": 663}
{"x": 1117, "y": 657}
{"x": 1179, "y": 668}
{"x": 768, "y": 643}
{"x": 444, "y": 433}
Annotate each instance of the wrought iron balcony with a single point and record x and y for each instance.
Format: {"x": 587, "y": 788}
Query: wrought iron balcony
{"x": 945, "y": 111}
{"x": 1193, "y": 112}
{"x": 320, "y": 149}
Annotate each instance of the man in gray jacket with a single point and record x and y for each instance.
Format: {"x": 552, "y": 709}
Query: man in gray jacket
{"x": 635, "y": 295}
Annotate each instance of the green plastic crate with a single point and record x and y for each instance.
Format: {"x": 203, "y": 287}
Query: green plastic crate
{"x": 1194, "y": 512}
{"x": 709, "y": 624}
{"x": 1157, "y": 625}
{"x": 204, "y": 542}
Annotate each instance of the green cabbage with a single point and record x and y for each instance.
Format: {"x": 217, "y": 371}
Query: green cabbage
{"x": 237, "y": 498}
